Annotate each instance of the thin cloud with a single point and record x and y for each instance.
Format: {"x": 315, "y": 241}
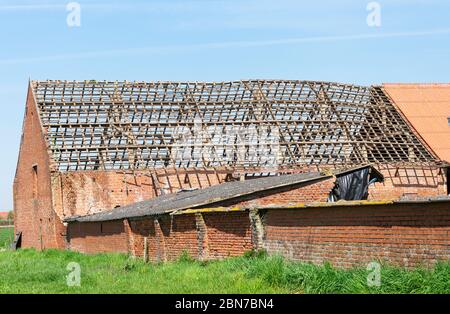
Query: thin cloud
{"x": 31, "y": 7}
{"x": 58, "y": 6}
{"x": 220, "y": 45}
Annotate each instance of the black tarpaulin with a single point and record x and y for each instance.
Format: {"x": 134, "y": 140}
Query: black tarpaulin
{"x": 353, "y": 186}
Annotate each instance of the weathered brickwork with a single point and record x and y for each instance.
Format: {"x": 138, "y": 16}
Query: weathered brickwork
{"x": 316, "y": 191}
{"x": 140, "y": 229}
{"x": 167, "y": 237}
{"x": 219, "y": 235}
{"x": 411, "y": 183}
{"x": 229, "y": 234}
{"x": 98, "y": 237}
{"x": 88, "y": 192}
{"x": 34, "y": 216}
{"x": 403, "y": 234}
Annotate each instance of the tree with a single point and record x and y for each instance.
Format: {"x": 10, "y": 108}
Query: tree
{"x": 11, "y": 215}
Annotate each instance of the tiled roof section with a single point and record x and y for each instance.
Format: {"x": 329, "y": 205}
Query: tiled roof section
{"x": 427, "y": 107}
{"x": 191, "y": 199}
{"x": 91, "y": 125}
{"x": 4, "y": 215}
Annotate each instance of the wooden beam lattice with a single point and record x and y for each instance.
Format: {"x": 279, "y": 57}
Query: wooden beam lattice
{"x": 93, "y": 125}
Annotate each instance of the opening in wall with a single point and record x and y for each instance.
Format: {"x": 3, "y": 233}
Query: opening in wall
{"x": 448, "y": 181}
{"x": 35, "y": 181}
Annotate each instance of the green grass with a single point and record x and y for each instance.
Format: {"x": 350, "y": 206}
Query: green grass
{"x": 6, "y": 237}
{"x": 29, "y": 271}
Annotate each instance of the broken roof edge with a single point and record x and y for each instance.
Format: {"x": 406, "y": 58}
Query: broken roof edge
{"x": 50, "y": 81}
{"x": 438, "y": 163}
{"x": 121, "y": 212}
{"x": 341, "y": 203}
{"x": 412, "y": 128}
{"x": 438, "y": 199}
{"x": 417, "y": 84}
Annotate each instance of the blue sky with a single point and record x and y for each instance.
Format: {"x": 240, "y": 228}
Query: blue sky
{"x": 213, "y": 40}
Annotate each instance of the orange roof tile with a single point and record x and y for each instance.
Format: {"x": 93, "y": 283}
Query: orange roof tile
{"x": 427, "y": 107}
{"x": 3, "y": 215}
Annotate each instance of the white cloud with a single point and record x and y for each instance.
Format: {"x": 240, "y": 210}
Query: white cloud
{"x": 220, "y": 45}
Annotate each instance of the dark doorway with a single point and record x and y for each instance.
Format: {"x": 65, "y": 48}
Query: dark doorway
{"x": 448, "y": 181}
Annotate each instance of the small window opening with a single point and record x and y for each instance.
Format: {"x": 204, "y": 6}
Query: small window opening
{"x": 35, "y": 181}
{"x": 448, "y": 181}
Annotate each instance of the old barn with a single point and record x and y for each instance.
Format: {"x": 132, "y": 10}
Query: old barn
{"x": 312, "y": 170}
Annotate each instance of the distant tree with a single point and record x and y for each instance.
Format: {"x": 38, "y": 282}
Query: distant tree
{"x": 11, "y": 215}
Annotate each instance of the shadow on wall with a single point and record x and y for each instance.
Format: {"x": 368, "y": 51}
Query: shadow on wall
{"x": 385, "y": 216}
{"x": 91, "y": 229}
{"x": 416, "y": 176}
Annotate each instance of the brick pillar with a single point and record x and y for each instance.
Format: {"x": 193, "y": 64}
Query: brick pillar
{"x": 202, "y": 237}
{"x": 160, "y": 243}
{"x": 130, "y": 237}
{"x": 256, "y": 221}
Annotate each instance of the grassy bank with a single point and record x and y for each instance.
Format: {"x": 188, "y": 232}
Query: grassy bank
{"x": 28, "y": 271}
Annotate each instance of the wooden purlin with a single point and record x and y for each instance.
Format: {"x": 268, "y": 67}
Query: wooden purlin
{"x": 133, "y": 125}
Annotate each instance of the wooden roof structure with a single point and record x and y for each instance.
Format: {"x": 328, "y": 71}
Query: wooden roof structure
{"x": 93, "y": 125}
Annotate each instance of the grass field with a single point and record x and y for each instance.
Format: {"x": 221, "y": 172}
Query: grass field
{"x": 6, "y": 236}
{"x": 29, "y": 271}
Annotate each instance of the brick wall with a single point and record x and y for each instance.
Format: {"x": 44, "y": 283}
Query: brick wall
{"x": 313, "y": 191}
{"x": 88, "y": 192}
{"x": 203, "y": 236}
{"x": 34, "y": 216}
{"x": 167, "y": 237}
{"x": 406, "y": 234}
{"x": 98, "y": 237}
{"x": 409, "y": 182}
{"x": 402, "y": 234}
{"x": 227, "y": 234}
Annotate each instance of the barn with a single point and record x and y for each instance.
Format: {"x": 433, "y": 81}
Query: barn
{"x": 315, "y": 171}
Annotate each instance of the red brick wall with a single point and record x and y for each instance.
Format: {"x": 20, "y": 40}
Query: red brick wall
{"x": 81, "y": 193}
{"x": 402, "y": 234}
{"x": 87, "y": 192}
{"x": 315, "y": 191}
{"x": 408, "y": 182}
{"x": 222, "y": 235}
{"x": 179, "y": 235}
{"x": 98, "y": 237}
{"x": 139, "y": 229}
{"x": 228, "y": 234}
{"x": 406, "y": 234}
{"x": 34, "y": 216}
{"x": 168, "y": 237}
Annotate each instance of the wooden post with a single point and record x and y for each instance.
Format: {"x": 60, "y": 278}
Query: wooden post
{"x": 145, "y": 249}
